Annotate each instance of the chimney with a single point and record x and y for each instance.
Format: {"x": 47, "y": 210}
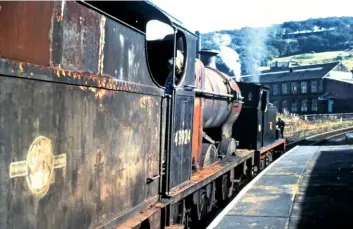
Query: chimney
{"x": 208, "y": 57}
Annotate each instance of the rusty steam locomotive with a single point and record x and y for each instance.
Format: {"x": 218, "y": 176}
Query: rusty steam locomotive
{"x": 91, "y": 138}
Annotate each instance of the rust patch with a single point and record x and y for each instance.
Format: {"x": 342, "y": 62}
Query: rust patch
{"x": 98, "y": 93}
{"x": 272, "y": 146}
{"x": 106, "y": 82}
{"x": 24, "y": 31}
{"x": 20, "y": 67}
{"x": 146, "y": 102}
{"x": 101, "y": 46}
{"x": 81, "y": 36}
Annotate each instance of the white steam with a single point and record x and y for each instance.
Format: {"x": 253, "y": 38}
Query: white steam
{"x": 231, "y": 60}
{"x": 255, "y": 52}
{"x": 229, "y": 56}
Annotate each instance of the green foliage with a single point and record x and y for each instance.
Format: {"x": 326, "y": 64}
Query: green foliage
{"x": 259, "y": 46}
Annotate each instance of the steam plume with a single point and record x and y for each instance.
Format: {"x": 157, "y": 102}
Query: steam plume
{"x": 255, "y": 51}
{"x": 228, "y": 56}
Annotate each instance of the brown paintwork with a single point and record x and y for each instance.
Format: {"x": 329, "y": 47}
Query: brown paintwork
{"x": 198, "y": 114}
{"x": 280, "y": 142}
{"x": 24, "y": 31}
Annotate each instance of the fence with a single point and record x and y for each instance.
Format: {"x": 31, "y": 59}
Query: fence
{"x": 306, "y": 125}
{"x": 324, "y": 117}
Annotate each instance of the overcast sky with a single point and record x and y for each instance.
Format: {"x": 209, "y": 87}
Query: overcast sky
{"x": 208, "y": 15}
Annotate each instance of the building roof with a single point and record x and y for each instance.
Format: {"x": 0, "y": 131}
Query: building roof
{"x": 316, "y": 71}
{"x": 350, "y": 81}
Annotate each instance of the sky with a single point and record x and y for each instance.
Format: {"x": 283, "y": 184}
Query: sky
{"x": 207, "y": 15}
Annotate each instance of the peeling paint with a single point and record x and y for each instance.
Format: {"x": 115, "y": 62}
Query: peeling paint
{"x": 21, "y": 68}
{"x": 101, "y": 45}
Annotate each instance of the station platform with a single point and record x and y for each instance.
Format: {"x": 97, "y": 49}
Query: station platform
{"x": 308, "y": 187}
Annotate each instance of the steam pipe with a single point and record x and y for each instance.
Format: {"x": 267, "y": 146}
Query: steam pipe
{"x": 204, "y": 92}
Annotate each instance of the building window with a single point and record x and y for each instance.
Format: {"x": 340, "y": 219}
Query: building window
{"x": 275, "y": 89}
{"x": 314, "y": 86}
{"x": 295, "y": 105}
{"x": 304, "y": 105}
{"x": 304, "y": 87}
{"x": 284, "y": 89}
{"x": 294, "y": 87}
{"x": 321, "y": 85}
{"x": 284, "y": 105}
{"x": 275, "y": 103}
{"x": 314, "y": 105}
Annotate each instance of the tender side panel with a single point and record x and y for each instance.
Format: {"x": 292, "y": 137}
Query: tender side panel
{"x": 24, "y": 31}
{"x": 77, "y": 43}
{"x": 81, "y": 30}
{"x": 70, "y": 160}
{"x": 74, "y": 156}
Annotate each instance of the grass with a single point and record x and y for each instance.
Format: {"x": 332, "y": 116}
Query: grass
{"x": 323, "y": 57}
{"x": 297, "y": 128}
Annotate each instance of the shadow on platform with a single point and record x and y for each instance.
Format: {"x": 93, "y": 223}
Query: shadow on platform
{"x": 325, "y": 194}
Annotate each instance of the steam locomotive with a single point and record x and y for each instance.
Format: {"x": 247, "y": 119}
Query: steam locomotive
{"x": 91, "y": 138}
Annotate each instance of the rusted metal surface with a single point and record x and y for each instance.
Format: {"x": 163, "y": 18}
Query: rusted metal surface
{"x": 210, "y": 173}
{"x": 130, "y": 48}
{"x": 24, "y": 31}
{"x": 30, "y": 71}
{"x": 217, "y": 111}
{"x": 82, "y": 30}
{"x": 198, "y": 114}
{"x": 277, "y": 143}
{"x": 99, "y": 143}
{"x": 70, "y": 37}
{"x": 150, "y": 216}
{"x": 96, "y": 184}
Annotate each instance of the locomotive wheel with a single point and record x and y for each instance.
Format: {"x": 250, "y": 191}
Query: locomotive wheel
{"x": 211, "y": 195}
{"x": 262, "y": 164}
{"x": 200, "y": 209}
{"x": 254, "y": 171}
{"x": 269, "y": 158}
{"x": 223, "y": 186}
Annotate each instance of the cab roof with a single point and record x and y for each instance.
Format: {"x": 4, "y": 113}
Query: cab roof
{"x": 135, "y": 14}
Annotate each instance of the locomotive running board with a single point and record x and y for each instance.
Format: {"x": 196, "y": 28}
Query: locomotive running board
{"x": 209, "y": 174}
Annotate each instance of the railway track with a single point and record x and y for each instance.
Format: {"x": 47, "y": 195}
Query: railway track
{"x": 335, "y": 137}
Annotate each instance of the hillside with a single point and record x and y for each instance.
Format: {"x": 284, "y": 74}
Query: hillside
{"x": 317, "y": 58}
{"x": 311, "y": 41}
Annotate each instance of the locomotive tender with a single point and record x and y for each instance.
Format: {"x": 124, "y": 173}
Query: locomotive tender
{"x": 91, "y": 138}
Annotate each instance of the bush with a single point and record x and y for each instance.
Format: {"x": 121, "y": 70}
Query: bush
{"x": 300, "y": 127}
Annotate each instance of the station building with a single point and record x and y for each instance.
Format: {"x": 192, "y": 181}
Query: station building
{"x": 310, "y": 89}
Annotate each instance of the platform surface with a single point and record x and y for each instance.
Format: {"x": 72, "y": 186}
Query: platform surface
{"x": 308, "y": 187}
